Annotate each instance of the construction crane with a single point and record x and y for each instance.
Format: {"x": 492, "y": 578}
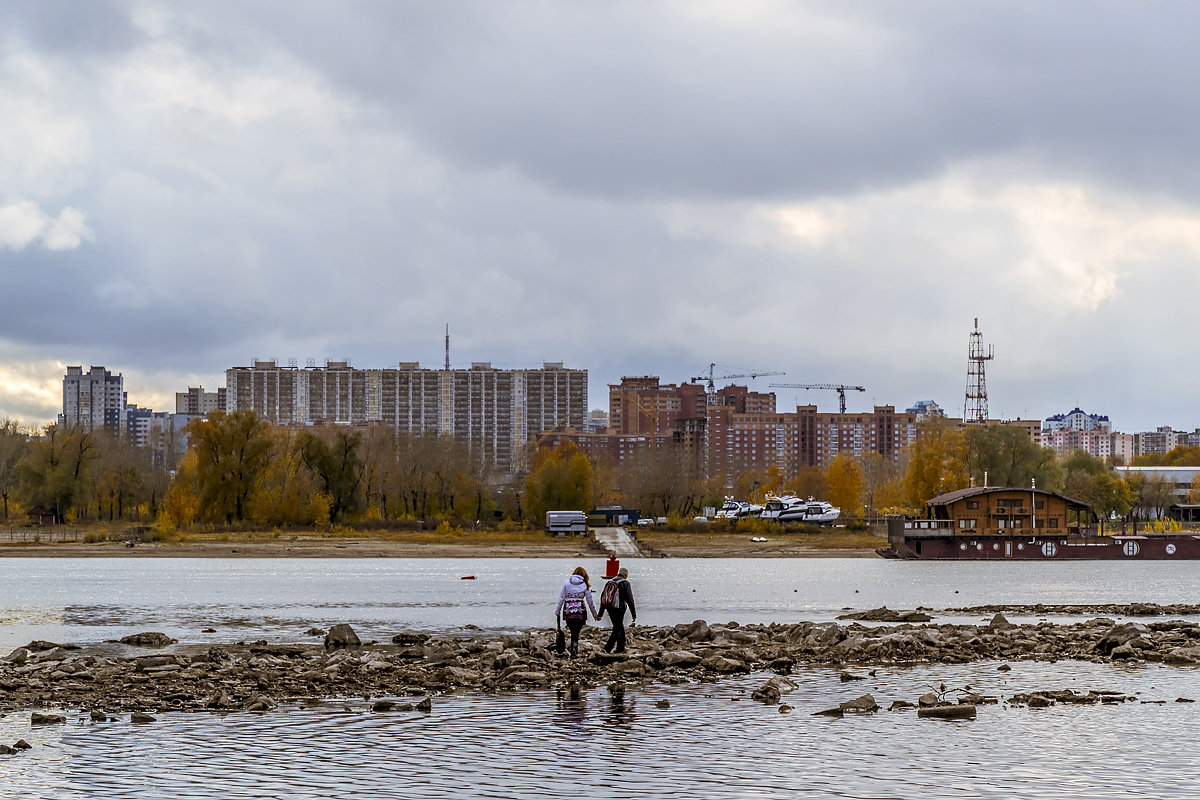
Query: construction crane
{"x": 711, "y": 380}
{"x": 635, "y": 400}
{"x": 837, "y": 387}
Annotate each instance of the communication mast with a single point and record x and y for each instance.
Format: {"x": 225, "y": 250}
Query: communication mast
{"x": 975, "y": 408}
{"x": 447, "y": 347}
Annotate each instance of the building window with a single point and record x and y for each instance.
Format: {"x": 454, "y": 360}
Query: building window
{"x": 972, "y": 505}
{"x": 966, "y": 524}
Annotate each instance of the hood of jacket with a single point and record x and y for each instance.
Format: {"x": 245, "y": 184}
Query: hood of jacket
{"x": 577, "y": 581}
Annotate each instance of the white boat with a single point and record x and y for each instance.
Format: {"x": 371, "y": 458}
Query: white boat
{"x": 737, "y": 509}
{"x": 790, "y": 508}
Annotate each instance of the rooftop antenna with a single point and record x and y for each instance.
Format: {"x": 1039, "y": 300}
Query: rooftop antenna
{"x": 447, "y": 347}
{"x": 975, "y": 408}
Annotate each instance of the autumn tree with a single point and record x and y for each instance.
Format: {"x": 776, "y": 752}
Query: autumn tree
{"x": 14, "y": 444}
{"x": 56, "y": 472}
{"x": 810, "y": 481}
{"x": 845, "y": 478}
{"x": 659, "y": 481}
{"x": 883, "y": 483}
{"x": 936, "y": 463}
{"x": 1089, "y": 480}
{"x": 232, "y": 451}
{"x": 333, "y": 457}
{"x": 559, "y": 479}
{"x": 1004, "y": 455}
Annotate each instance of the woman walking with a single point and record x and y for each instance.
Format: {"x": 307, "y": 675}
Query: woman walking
{"x": 575, "y": 593}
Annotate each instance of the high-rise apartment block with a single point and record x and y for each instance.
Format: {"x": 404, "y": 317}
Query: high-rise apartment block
{"x": 94, "y": 399}
{"x": 198, "y": 403}
{"x": 493, "y": 411}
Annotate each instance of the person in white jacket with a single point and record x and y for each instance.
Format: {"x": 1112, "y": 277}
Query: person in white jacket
{"x": 573, "y": 603}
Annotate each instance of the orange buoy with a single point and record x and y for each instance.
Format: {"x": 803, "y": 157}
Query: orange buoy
{"x": 610, "y": 568}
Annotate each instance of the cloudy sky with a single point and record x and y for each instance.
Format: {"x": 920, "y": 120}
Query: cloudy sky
{"x": 826, "y": 189}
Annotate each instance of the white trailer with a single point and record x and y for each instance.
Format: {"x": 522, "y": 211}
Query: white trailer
{"x": 561, "y": 523}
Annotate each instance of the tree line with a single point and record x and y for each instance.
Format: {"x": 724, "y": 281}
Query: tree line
{"x": 240, "y": 470}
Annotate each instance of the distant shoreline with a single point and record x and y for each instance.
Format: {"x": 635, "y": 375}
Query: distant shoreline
{"x": 483, "y": 545}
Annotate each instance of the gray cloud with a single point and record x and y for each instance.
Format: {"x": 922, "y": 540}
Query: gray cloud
{"x": 830, "y": 191}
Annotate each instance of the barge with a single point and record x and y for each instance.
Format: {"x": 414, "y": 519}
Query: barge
{"x": 1012, "y": 524}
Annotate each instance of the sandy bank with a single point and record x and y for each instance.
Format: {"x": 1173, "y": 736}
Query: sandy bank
{"x": 473, "y": 545}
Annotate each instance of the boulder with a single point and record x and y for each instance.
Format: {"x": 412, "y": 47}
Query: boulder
{"x": 679, "y": 658}
{"x": 410, "y": 637}
{"x": 698, "y": 631}
{"x": 425, "y": 706}
{"x": 341, "y": 635}
{"x": 39, "y": 718}
{"x": 1001, "y": 623}
{"x": 1119, "y": 635}
{"x": 148, "y": 639}
{"x": 141, "y": 716}
{"x": 723, "y": 665}
{"x": 959, "y": 711}
{"x": 864, "y": 704}
{"x": 766, "y": 694}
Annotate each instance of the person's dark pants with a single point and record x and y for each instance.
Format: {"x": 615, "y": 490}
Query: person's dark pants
{"x": 574, "y": 626}
{"x": 616, "y": 639}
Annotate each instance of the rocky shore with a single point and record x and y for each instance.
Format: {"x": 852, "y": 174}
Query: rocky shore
{"x": 151, "y": 673}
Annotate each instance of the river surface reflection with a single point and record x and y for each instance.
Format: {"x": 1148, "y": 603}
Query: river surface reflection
{"x": 711, "y": 741}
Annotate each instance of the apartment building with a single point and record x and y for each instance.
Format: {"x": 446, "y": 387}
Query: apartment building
{"x": 495, "y": 412}
{"x": 198, "y": 403}
{"x": 94, "y": 399}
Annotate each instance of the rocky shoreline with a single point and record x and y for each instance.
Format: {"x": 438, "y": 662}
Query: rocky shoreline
{"x": 151, "y": 673}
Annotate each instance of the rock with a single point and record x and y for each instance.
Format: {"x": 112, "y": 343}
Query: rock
{"x": 830, "y": 712}
{"x": 21, "y": 744}
{"x": 846, "y": 677}
{"x": 18, "y": 657}
{"x": 1001, "y": 623}
{"x": 960, "y": 711}
{"x": 340, "y": 636}
{"x": 383, "y": 705}
{"x": 425, "y": 706}
{"x": 679, "y": 658}
{"x": 1119, "y": 635}
{"x": 663, "y": 704}
{"x": 314, "y": 632}
{"x": 766, "y": 694}
{"x": 1004, "y": 668}
{"x": 260, "y": 703}
{"x": 900, "y": 705}
{"x": 864, "y": 704}
{"x": 148, "y": 639}
{"x": 39, "y": 718}
{"x": 1123, "y": 652}
{"x": 698, "y": 631}
{"x": 784, "y": 708}
{"x": 928, "y": 699}
{"x": 410, "y": 637}
{"x": 723, "y": 665}
{"x": 141, "y": 716}
{"x": 1037, "y": 700}
{"x": 99, "y": 716}
{"x": 5, "y": 750}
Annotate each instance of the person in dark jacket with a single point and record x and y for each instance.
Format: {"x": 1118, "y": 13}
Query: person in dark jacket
{"x": 616, "y": 612}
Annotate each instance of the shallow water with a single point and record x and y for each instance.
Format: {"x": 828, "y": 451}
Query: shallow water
{"x": 712, "y": 742}
{"x": 91, "y": 600}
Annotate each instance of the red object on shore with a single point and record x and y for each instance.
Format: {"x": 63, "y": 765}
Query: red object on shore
{"x": 610, "y": 568}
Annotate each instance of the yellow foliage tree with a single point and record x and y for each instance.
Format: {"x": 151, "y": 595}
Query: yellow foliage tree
{"x": 561, "y": 479}
{"x": 845, "y": 478}
{"x": 936, "y": 463}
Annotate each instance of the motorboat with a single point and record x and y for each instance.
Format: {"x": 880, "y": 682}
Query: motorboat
{"x": 789, "y": 508}
{"x": 737, "y": 509}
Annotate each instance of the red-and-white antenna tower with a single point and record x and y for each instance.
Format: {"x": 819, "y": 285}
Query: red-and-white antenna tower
{"x": 975, "y": 409}
{"x": 447, "y": 347}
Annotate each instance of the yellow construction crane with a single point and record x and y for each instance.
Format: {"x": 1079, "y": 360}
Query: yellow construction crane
{"x": 634, "y": 400}
{"x": 711, "y": 380}
{"x": 837, "y": 387}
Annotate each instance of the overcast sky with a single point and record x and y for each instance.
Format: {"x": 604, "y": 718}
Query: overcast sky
{"x": 832, "y": 190}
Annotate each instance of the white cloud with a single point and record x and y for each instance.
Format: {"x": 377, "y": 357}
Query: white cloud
{"x": 22, "y": 223}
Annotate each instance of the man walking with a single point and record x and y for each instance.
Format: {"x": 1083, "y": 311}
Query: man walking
{"x": 617, "y": 595}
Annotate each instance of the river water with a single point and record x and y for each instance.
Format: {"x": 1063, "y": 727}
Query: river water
{"x": 712, "y": 740}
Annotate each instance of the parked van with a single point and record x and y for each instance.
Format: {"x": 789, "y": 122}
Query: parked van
{"x": 561, "y": 523}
